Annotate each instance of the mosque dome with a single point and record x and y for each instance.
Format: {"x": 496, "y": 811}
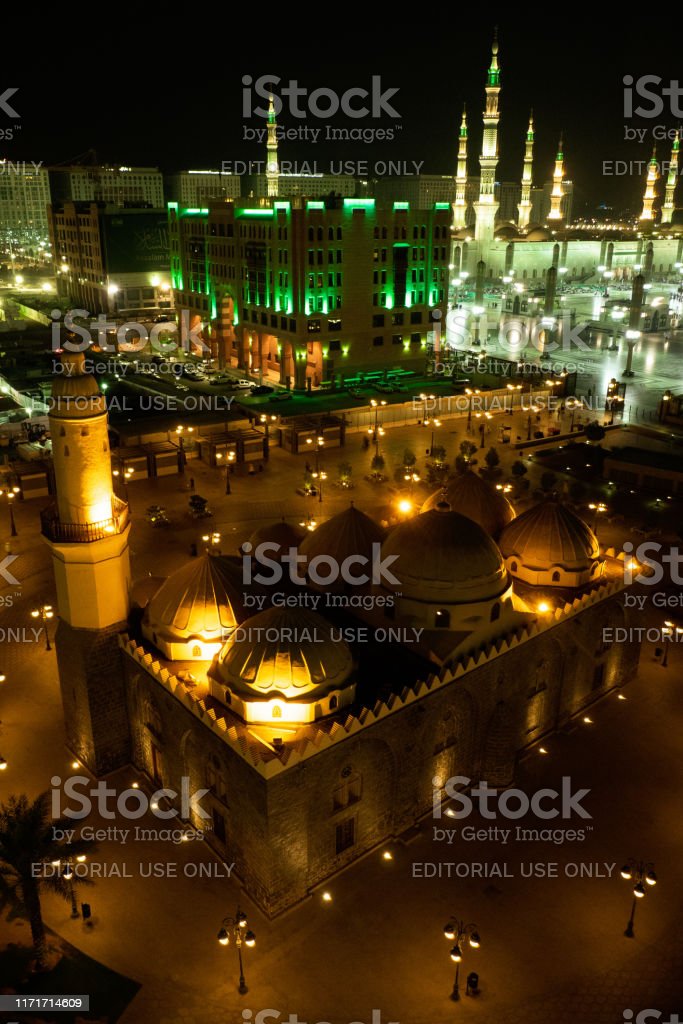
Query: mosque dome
{"x": 442, "y": 556}
{"x": 350, "y": 533}
{"x": 537, "y": 233}
{"x": 506, "y": 229}
{"x": 75, "y": 393}
{"x": 472, "y": 496}
{"x": 284, "y": 534}
{"x": 191, "y": 613}
{"x": 284, "y": 663}
{"x": 464, "y": 234}
{"x": 551, "y": 546}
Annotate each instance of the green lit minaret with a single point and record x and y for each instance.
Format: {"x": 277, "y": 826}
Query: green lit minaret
{"x": 487, "y": 207}
{"x": 272, "y": 167}
{"x": 671, "y": 180}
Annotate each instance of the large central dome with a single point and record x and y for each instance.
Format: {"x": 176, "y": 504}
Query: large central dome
{"x": 443, "y": 556}
{"x": 549, "y": 544}
{"x": 477, "y": 499}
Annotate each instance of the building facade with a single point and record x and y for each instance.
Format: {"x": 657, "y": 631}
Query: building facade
{"x": 116, "y": 186}
{"x": 24, "y": 201}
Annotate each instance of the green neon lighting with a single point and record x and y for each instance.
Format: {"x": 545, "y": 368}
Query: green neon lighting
{"x": 290, "y": 306}
{"x": 345, "y": 350}
{"x": 401, "y": 206}
{"x": 325, "y": 305}
{"x": 401, "y": 245}
{"x": 389, "y": 301}
{"x": 282, "y": 206}
{"x": 193, "y": 211}
{"x": 214, "y": 306}
{"x": 315, "y": 204}
{"x": 326, "y": 353}
{"x": 172, "y": 206}
{"x": 235, "y": 316}
{"x": 442, "y": 206}
{"x": 255, "y": 213}
{"x": 359, "y": 204}
{"x": 409, "y": 299}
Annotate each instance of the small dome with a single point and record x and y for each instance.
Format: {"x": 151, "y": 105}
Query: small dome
{"x": 75, "y": 393}
{"x": 476, "y": 498}
{"x": 192, "y": 612}
{"x": 549, "y": 545}
{"x": 463, "y": 234}
{"x": 348, "y": 533}
{"x": 284, "y": 534}
{"x": 505, "y": 229}
{"x": 537, "y": 233}
{"x": 443, "y": 556}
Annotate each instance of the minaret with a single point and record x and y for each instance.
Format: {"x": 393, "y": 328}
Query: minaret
{"x": 527, "y": 176}
{"x": 648, "y": 213}
{"x": 487, "y": 207}
{"x": 460, "y": 205}
{"x": 557, "y": 193}
{"x": 272, "y": 168}
{"x": 671, "y": 181}
{"x": 87, "y": 531}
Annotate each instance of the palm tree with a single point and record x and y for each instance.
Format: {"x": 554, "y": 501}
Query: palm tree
{"x": 27, "y": 840}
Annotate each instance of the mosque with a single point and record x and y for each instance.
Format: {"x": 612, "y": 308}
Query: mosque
{"x": 322, "y": 726}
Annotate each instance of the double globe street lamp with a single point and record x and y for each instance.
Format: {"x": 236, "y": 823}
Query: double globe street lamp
{"x": 243, "y": 936}
{"x": 645, "y": 877}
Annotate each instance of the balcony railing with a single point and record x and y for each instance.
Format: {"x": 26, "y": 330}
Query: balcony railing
{"x": 79, "y": 533}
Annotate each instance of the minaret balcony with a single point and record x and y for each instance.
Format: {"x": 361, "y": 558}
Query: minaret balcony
{"x": 55, "y": 530}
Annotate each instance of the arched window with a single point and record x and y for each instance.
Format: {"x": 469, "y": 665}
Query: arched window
{"x": 495, "y": 612}
{"x": 277, "y": 712}
{"x": 513, "y": 567}
{"x": 334, "y": 702}
{"x": 196, "y": 652}
{"x": 349, "y": 790}
{"x": 556, "y": 577}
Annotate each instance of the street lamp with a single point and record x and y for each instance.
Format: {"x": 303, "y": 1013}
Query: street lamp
{"x": 44, "y": 613}
{"x": 320, "y": 476}
{"x": 126, "y": 476}
{"x": 242, "y": 936}
{"x": 459, "y": 931}
{"x": 11, "y": 493}
{"x": 642, "y": 873}
{"x": 212, "y": 541}
{"x": 434, "y": 424}
{"x": 229, "y": 460}
{"x": 597, "y": 509}
{"x": 668, "y": 630}
{"x": 68, "y": 875}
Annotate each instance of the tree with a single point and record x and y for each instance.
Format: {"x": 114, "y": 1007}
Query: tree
{"x": 345, "y": 469}
{"x": 27, "y": 833}
{"x": 465, "y": 460}
{"x": 548, "y": 481}
{"x": 492, "y": 459}
{"x": 594, "y": 432}
{"x": 377, "y": 466}
{"x": 409, "y": 458}
{"x": 308, "y": 481}
{"x": 519, "y": 469}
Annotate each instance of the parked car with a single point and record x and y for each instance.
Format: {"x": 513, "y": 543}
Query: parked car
{"x": 262, "y": 389}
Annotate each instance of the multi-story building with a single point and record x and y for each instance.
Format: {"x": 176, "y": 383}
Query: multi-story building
{"x": 306, "y": 291}
{"x": 117, "y": 186}
{"x": 255, "y": 186}
{"x": 196, "y": 188}
{"x": 111, "y": 260}
{"x": 24, "y": 199}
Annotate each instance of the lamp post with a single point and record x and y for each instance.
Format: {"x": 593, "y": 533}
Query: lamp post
{"x": 44, "y": 613}
{"x": 212, "y": 541}
{"x": 68, "y": 875}
{"x": 125, "y": 475}
{"x": 229, "y": 461}
{"x": 597, "y": 508}
{"x": 642, "y": 873}
{"x": 434, "y": 424}
{"x": 469, "y": 394}
{"x": 668, "y": 631}
{"x": 242, "y": 936}
{"x": 320, "y": 476}
{"x": 11, "y": 493}
{"x": 459, "y": 931}
{"x": 376, "y": 432}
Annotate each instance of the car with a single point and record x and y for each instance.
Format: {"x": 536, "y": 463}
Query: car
{"x": 220, "y": 382}
{"x": 262, "y": 389}
{"x": 243, "y": 384}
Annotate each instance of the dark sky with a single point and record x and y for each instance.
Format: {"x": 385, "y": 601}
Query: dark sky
{"x": 177, "y": 103}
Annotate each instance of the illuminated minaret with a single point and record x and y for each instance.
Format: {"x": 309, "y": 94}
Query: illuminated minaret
{"x": 648, "y": 213}
{"x": 460, "y": 206}
{"x": 87, "y": 532}
{"x": 671, "y": 180}
{"x": 272, "y": 168}
{"x": 487, "y": 207}
{"x": 527, "y": 175}
{"x": 557, "y": 193}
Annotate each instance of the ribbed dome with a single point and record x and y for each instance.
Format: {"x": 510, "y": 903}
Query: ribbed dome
{"x": 285, "y": 535}
{"x": 195, "y": 603}
{"x": 443, "y": 556}
{"x": 477, "y": 499}
{"x": 537, "y": 233}
{"x": 74, "y": 392}
{"x": 287, "y": 652}
{"x": 550, "y": 535}
{"x": 348, "y": 533}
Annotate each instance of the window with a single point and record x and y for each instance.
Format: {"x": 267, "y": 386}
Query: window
{"x": 349, "y": 789}
{"x": 378, "y": 341}
{"x": 416, "y": 318}
{"x": 495, "y": 612}
{"x": 314, "y": 326}
{"x": 334, "y": 324}
{"x": 345, "y": 835}
{"x": 378, "y": 320}
{"x": 218, "y": 826}
{"x": 397, "y": 319}
{"x": 414, "y": 339}
{"x": 335, "y": 346}
{"x": 556, "y": 577}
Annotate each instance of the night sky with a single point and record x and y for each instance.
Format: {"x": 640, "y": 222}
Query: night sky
{"x": 178, "y": 104}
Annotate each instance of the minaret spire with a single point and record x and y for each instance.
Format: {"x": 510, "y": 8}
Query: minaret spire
{"x": 272, "y": 167}
{"x": 527, "y": 175}
{"x": 557, "y": 192}
{"x": 671, "y": 180}
{"x": 460, "y": 205}
{"x": 648, "y": 213}
{"x": 487, "y": 207}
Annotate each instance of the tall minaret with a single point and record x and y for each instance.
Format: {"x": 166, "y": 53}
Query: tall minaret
{"x": 460, "y": 205}
{"x": 671, "y": 181}
{"x": 272, "y": 167}
{"x": 87, "y": 531}
{"x": 557, "y": 193}
{"x": 487, "y": 207}
{"x": 527, "y": 176}
{"x": 648, "y": 213}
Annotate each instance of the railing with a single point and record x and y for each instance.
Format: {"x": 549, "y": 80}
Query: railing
{"x": 79, "y": 533}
